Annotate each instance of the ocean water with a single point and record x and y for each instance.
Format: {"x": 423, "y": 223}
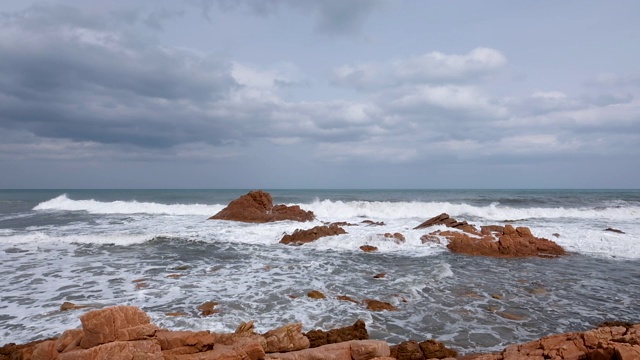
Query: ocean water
{"x": 156, "y": 249}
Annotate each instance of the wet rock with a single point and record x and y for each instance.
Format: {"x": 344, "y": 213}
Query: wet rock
{"x": 512, "y": 242}
{"x": 614, "y": 230}
{"x": 347, "y": 298}
{"x": 556, "y": 235}
{"x": 379, "y": 276}
{"x": 429, "y": 238}
{"x": 376, "y": 305}
{"x": 372, "y": 223}
{"x": 66, "y": 306}
{"x": 343, "y": 223}
{"x": 436, "y": 350}
{"x": 357, "y": 331}
{"x": 257, "y": 207}
{"x": 300, "y": 237}
{"x": 444, "y": 219}
{"x": 315, "y": 294}
{"x": 368, "y": 248}
{"x": 398, "y": 238}
{"x": 208, "y": 308}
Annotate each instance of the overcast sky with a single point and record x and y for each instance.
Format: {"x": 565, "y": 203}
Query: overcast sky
{"x": 319, "y": 94}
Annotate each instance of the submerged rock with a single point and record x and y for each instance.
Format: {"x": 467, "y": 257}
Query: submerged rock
{"x": 300, "y": 237}
{"x": 257, "y": 207}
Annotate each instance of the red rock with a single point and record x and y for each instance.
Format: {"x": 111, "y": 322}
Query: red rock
{"x": 444, "y": 219}
{"x": 208, "y": 308}
{"x": 300, "y": 237}
{"x": 372, "y": 223}
{"x": 398, "y": 238}
{"x": 69, "y": 340}
{"x": 348, "y": 350}
{"x": 368, "y": 248}
{"x": 379, "y": 276}
{"x": 375, "y": 305}
{"x": 511, "y": 243}
{"x": 199, "y": 340}
{"x": 357, "y": 331}
{"x": 315, "y": 294}
{"x": 45, "y": 350}
{"x": 285, "y": 338}
{"x": 257, "y": 207}
{"x": 118, "y": 350}
{"x": 347, "y": 298}
{"x": 118, "y": 323}
{"x": 430, "y": 238}
{"x": 66, "y": 306}
{"x": 435, "y": 349}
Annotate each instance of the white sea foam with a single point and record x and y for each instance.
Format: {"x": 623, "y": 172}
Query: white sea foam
{"x": 63, "y": 203}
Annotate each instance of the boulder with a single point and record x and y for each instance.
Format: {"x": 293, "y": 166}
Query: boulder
{"x": 428, "y": 349}
{"x": 368, "y": 248}
{"x": 348, "y": 350}
{"x": 300, "y": 237}
{"x": 118, "y": 323}
{"x": 257, "y": 207}
{"x": 398, "y": 238}
{"x": 208, "y": 308}
{"x": 347, "y": 298}
{"x": 376, "y": 305}
{"x": 286, "y": 338}
{"x": 357, "y": 331}
{"x": 445, "y": 219}
{"x": 518, "y": 242}
{"x": 315, "y": 294}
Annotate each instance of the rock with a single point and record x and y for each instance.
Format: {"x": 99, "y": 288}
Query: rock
{"x": 69, "y": 340}
{"x": 118, "y": 350}
{"x": 347, "y": 298}
{"x": 357, "y": 331}
{"x": 343, "y": 223}
{"x": 444, "y": 219}
{"x": 614, "y": 230}
{"x": 315, "y": 294}
{"x": 368, "y": 248}
{"x": 349, "y": 350}
{"x": 429, "y": 238}
{"x": 257, "y": 207}
{"x": 66, "y": 306}
{"x": 435, "y": 349}
{"x": 300, "y": 237}
{"x": 428, "y": 349}
{"x": 379, "y": 276}
{"x": 398, "y": 238}
{"x": 518, "y": 242}
{"x": 45, "y": 350}
{"x": 118, "y": 323}
{"x": 286, "y": 338}
{"x": 372, "y": 223}
{"x": 208, "y": 308}
{"x": 376, "y": 305}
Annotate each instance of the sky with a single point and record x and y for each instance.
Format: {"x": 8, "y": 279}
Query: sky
{"x": 319, "y": 94}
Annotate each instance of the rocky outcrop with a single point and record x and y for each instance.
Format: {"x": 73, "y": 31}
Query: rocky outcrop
{"x": 286, "y": 338}
{"x": 509, "y": 242}
{"x": 349, "y": 350}
{"x": 605, "y": 343}
{"x": 491, "y": 240}
{"x": 428, "y": 349}
{"x": 257, "y": 207}
{"x": 300, "y": 237}
{"x": 357, "y": 331}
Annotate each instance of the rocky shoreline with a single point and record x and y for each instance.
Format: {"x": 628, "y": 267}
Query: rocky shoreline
{"x": 126, "y": 333}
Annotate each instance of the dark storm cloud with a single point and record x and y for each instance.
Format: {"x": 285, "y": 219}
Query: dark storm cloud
{"x": 68, "y": 74}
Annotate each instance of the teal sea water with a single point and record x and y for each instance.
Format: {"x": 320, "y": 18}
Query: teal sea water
{"x": 95, "y": 247}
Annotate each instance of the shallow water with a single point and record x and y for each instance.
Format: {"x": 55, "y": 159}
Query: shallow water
{"x": 112, "y": 249}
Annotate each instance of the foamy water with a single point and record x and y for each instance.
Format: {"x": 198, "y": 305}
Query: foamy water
{"x": 96, "y": 248}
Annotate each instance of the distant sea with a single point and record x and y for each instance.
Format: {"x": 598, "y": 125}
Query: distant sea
{"x": 156, "y": 249}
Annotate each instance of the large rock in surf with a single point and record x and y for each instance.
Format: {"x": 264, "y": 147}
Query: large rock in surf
{"x": 257, "y": 207}
{"x": 492, "y": 240}
{"x": 300, "y": 237}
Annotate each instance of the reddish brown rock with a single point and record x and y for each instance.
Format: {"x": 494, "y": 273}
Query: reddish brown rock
{"x": 430, "y": 238}
{"x": 398, "y": 238}
{"x": 428, "y": 349}
{"x": 444, "y": 219}
{"x": 118, "y": 350}
{"x": 300, "y": 237}
{"x": 357, "y": 331}
{"x": 208, "y": 308}
{"x": 376, "y": 305}
{"x": 315, "y": 294}
{"x": 66, "y": 306}
{"x": 349, "y": 350}
{"x": 368, "y": 248}
{"x": 285, "y": 338}
{"x": 257, "y": 207}
{"x": 372, "y": 223}
{"x": 347, "y": 298}
{"x": 379, "y": 276}
{"x": 518, "y": 242}
{"x": 69, "y": 340}
{"x": 118, "y": 323}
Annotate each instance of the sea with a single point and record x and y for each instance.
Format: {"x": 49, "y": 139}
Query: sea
{"x": 156, "y": 249}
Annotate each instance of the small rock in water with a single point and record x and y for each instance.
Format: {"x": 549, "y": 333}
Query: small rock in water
{"x": 368, "y": 248}
{"x": 66, "y": 306}
{"x": 379, "y": 276}
{"x": 614, "y": 230}
{"x": 376, "y": 305}
{"x": 208, "y": 308}
{"x": 347, "y": 298}
{"x": 315, "y": 294}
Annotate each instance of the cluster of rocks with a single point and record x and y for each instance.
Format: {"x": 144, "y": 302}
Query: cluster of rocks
{"x": 126, "y": 333}
{"x": 464, "y": 238}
